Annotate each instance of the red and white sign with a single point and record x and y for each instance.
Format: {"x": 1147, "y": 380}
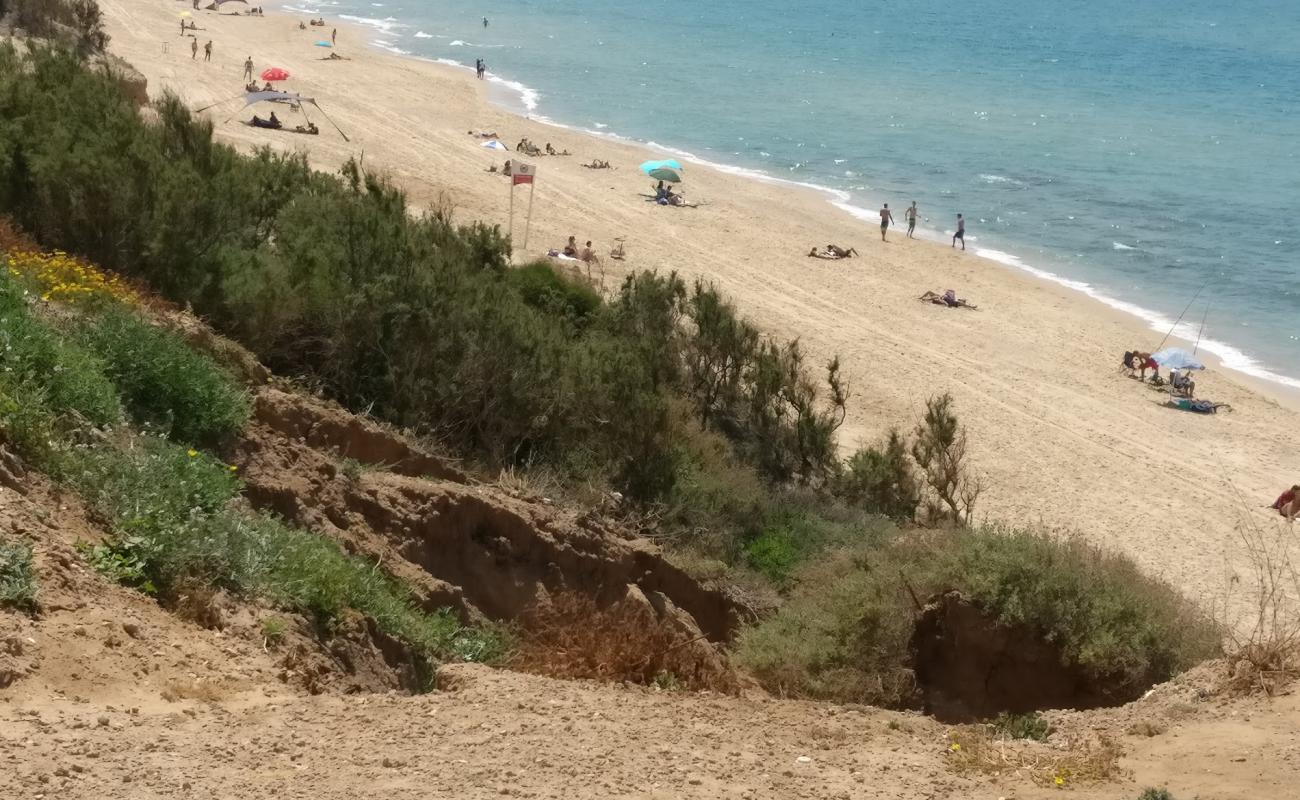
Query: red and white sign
{"x": 522, "y": 173}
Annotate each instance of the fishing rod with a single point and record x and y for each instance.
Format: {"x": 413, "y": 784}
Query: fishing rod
{"x": 1185, "y": 310}
{"x": 1201, "y": 332}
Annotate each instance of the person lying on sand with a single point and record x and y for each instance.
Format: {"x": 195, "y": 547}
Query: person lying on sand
{"x": 551, "y": 151}
{"x": 482, "y": 135}
{"x": 1198, "y": 406}
{"x": 335, "y": 57}
{"x": 252, "y": 87}
{"x": 271, "y": 122}
{"x": 840, "y": 251}
{"x": 1288, "y": 503}
{"x": 311, "y": 129}
{"x": 598, "y": 164}
{"x": 949, "y": 298}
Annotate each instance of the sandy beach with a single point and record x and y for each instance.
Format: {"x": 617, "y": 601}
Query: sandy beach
{"x": 1061, "y": 436}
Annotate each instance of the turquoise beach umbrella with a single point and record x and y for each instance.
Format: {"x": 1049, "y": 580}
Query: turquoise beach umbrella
{"x": 669, "y": 170}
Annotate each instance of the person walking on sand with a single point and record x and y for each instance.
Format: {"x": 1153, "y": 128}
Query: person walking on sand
{"x": 961, "y": 232}
{"x": 334, "y": 37}
{"x": 207, "y": 51}
{"x": 248, "y": 68}
{"x": 194, "y": 48}
{"x": 886, "y": 219}
{"x": 910, "y": 214}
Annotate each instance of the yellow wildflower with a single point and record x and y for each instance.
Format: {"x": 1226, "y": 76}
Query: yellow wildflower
{"x": 191, "y": 452}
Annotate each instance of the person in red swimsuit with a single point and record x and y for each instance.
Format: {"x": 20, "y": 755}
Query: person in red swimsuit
{"x": 1288, "y": 504}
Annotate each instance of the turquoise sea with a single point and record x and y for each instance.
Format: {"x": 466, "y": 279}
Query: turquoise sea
{"x": 1147, "y": 153}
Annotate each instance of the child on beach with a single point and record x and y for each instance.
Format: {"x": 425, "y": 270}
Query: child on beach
{"x": 886, "y": 219}
{"x": 961, "y": 232}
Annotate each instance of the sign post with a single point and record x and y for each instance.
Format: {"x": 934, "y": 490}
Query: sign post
{"x": 522, "y": 173}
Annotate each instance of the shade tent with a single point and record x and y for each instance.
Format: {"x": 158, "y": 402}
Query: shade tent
{"x": 1176, "y": 358}
{"x": 292, "y": 98}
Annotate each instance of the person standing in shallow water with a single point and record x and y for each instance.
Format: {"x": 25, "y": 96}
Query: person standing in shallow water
{"x": 886, "y": 219}
{"x": 910, "y": 214}
{"x": 961, "y": 232}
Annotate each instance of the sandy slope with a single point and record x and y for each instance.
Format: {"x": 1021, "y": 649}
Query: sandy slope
{"x": 1061, "y": 436}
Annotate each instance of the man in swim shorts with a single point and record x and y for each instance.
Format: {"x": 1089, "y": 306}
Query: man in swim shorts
{"x": 911, "y": 220}
{"x": 886, "y": 219}
{"x": 961, "y": 232}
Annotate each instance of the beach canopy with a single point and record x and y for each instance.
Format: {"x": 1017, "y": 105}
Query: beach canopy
{"x": 494, "y": 145}
{"x": 668, "y": 170}
{"x": 275, "y": 74}
{"x": 276, "y": 97}
{"x": 1176, "y": 358}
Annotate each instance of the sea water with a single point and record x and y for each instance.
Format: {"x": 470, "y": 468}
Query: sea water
{"x": 1147, "y": 153}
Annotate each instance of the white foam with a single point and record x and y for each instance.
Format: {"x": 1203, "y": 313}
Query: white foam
{"x": 1231, "y": 357}
{"x": 422, "y": 35}
{"x": 390, "y": 47}
{"x": 527, "y": 94}
{"x": 385, "y": 25}
{"x": 1122, "y": 246}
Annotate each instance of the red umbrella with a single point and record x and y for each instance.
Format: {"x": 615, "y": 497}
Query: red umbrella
{"x": 275, "y": 74}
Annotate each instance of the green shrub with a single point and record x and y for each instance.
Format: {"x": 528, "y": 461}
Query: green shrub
{"x": 880, "y": 479}
{"x": 17, "y": 576}
{"x": 1155, "y": 794}
{"x": 543, "y": 288}
{"x": 845, "y": 631}
{"x": 43, "y": 368}
{"x": 1022, "y": 726}
{"x": 163, "y": 381}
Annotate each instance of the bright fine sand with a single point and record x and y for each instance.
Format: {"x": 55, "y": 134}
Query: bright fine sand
{"x": 1059, "y": 434}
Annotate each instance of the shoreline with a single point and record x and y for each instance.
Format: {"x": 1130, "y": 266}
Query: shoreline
{"x": 1063, "y": 440}
{"x": 1220, "y": 354}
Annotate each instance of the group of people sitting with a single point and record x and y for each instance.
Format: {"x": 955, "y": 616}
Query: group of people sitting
{"x": 529, "y": 149}
{"x": 254, "y": 12}
{"x": 665, "y": 196}
{"x": 832, "y": 252}
{"x": 571, "y": 250}
{"x": 253, "y": 87}
{"x": 319, "y": 23}
{"x": 949, "y": 298}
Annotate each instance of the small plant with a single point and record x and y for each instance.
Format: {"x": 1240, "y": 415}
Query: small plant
{"x": 273, "y": 630}
{"x": 1085, "y": 759}
{"x": 1022, "y": 726}
{"x": 124, "y": 561}
{"x": 1155, "y": 794}
{"x": 667, "y": 682}
{"x": 17, "y": 576}
{"x": 351, "y": 469}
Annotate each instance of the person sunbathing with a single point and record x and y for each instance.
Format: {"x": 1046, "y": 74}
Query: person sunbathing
{"x": 825, "y": 254}
{"x": 311, "y": 129}
{"x": 571, "y": 249}
{"x": 841, "y": 252}
{"x": 272, "y": 122}
{"x": 597, "y": 164}
{"x": 949, "y": 299}
{"x": 588, "y": 255}
{"x": 550, "y": 151}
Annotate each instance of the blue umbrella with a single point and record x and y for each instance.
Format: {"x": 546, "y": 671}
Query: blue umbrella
{"x": 1176, "y": 358}
{"x": 668, "y": 170}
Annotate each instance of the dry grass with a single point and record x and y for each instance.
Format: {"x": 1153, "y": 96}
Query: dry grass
{"x": 1263, "y": 652}
{"x": 572, "y": 637}
{"x": 1063, "y": 762}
